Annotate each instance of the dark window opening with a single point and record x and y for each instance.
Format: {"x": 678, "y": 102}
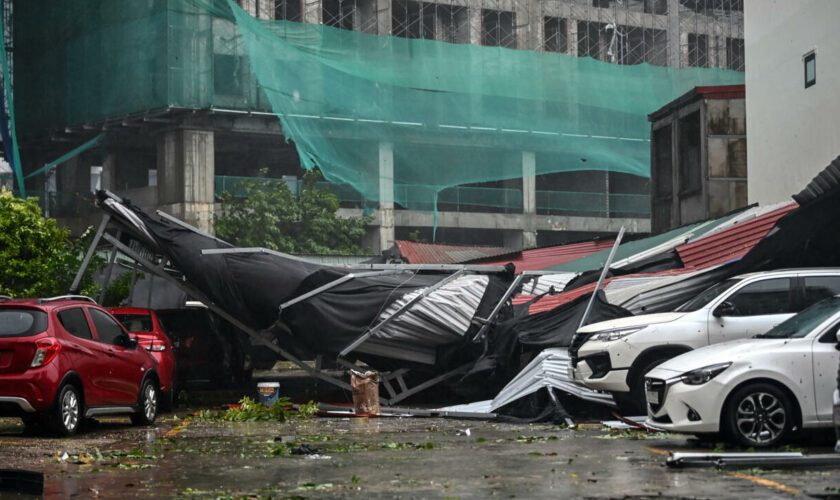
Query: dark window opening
{"x": 735, "y": 54}
{"x": 339, "y": 13}
{"x": 411, "y": 19}
{"x": 601, "y": 3}
{"x": 698, "y": 49}
{"x": 589, "y": 39}
{"x": 498, "y": 28}
{"x": 555, "y": 34}
{"x": 810, "y": 69}
{"x": 713, "y": 6}
{"x": 227, "y": 74}
{"x": 689, "y": 153}
{"x": 663, "y": 163}
{"x": 289, "y": 10}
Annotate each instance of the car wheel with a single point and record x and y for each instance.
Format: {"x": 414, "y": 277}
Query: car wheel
{"x": 147, "y": 404}
{"x": 65, "y": 418}
{"x": 759, "y": 415}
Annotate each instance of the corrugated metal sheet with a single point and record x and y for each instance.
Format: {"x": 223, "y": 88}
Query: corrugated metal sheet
{"x": 734, "y": 241}
{"x": 826, "y": 181}
{"x": 428, "y": 253}
{"x": 539, "y": 259}
{"x": 549, "y": 369}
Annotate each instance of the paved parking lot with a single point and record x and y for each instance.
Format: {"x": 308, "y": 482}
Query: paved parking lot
{"x": 384, "y": 458}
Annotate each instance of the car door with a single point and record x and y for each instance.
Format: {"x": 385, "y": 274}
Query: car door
{"x": 825, "y": 361}
{"x": 125, "y": 369}
{"x": 85, "y": 353}
{"x": 755, "y": 308}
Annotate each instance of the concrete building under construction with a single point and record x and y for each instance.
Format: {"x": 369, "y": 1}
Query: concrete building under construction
{"x": 173, "y": 139}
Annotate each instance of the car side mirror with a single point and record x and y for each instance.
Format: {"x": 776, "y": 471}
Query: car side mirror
{"x": 724, "y": 309}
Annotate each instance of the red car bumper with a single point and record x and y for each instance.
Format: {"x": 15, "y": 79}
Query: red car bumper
{"x": 30, "y": 391}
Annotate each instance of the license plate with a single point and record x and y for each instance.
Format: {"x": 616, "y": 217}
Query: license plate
{"x": 652, "y": 397}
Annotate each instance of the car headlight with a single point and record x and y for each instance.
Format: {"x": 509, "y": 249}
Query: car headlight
{"x": 611, "y": 335}
{"x": 702, "y": 375}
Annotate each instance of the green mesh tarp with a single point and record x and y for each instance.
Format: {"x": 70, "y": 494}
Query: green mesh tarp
{"x": 449, "y": 114}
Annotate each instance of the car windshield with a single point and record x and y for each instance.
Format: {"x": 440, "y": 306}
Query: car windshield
{"x": 804, "y": 323}
{"x": 707, "y": 296}
{"x": 21, "y": 322}
{"x": 135, "y": 322}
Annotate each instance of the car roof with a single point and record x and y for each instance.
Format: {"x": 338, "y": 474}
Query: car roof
{"x": 783, "y": 273}
{"x": 40, "y": 304}
{"x": 130, "y": 310}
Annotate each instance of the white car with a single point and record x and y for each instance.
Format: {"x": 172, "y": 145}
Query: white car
{"x": 753, "y": 391}
{"x": 618, "y": 353}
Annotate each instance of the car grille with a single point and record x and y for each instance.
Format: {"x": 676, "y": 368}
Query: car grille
{"x": 655, "y": 393}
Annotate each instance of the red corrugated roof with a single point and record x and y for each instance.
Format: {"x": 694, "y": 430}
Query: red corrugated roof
{"x": 731, "y": 243}
{"x": 544, "y": 258}
{"x": 429, "y": 253}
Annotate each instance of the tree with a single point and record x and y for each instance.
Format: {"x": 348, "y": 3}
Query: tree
{"x": 37, "y": 258}
{"x": 269, "y": 215}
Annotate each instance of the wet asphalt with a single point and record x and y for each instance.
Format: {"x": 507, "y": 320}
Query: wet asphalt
{"x": 183, "y": 456}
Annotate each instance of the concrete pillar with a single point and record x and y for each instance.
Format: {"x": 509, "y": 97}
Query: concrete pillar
{"x": 186, "y": 171}
{"x": 383, "y": 17}
{"x": 386, "y": 196}
{"x": 674, "y": 47}
{"x": 249, "y": 6}
{"x": 313, "y": 11}
{"x": 475, "y": 21}
{"x": 109, "y": 172}
{"x": 265, "y": 9}
{"x": 683, "y": 52}
{"x": 572, "y": 36}
{"x": 529, "y": 198}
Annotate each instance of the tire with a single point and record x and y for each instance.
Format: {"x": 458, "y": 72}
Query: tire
{"x": 636, "y": 401}
{"x": 66, "y": 416}
{"x": 147, "y": 404}
{"x": 758, "y": 415}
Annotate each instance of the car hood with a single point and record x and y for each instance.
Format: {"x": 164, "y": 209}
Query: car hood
{"x": 632, "y": 322}
{"x": 736, "y": 350}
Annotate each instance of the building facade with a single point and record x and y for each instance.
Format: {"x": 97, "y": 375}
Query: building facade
{"x": 793, "y": 86}
{"x": 186, "y": 120}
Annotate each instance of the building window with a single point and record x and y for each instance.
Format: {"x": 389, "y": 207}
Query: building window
{"x": 289, "y": 10}
{"x": 339, "y": 13}
{"x": 555, "y": 34}
{"x": 735, "y": 53}
{"x": 810, "y": 69}
{"x": 498, "y": 28}
{"x": 689, "y": 153}
{"x": 698, "y": 49}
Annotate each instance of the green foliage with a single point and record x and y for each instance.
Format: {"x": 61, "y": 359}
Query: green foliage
{"x": 119, "y": 289}
{"x": 271, "y": 216}
{"x": 249, "y": 410}
{"x": 38, "y": 257}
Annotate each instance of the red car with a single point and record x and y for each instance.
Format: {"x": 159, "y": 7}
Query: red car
{"x": 146, "y": 326}
{"x": 66, "y": 358}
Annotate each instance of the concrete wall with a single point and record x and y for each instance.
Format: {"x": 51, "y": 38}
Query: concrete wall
{"x": 794, "y": 131}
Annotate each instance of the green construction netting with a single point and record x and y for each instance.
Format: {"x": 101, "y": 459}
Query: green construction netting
{"x": 448, "y": 114}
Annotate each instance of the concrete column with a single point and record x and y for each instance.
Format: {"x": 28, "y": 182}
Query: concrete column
{"x": 529, "y": 198}
{"x": 186, "y": 171}
{"x": 572, "y": 36}
{"x": 722, "y": 61}
{"x": 265, "y": 9}
{"x": 109, "y": 172}
{"x": 383, "y": 17}
{"x": 249, "y": 6}
{"x": 386, "y": 196}
{"x": 674, "y": 47}
{"x": 683, "y": 50}
{"x": 475, "y": 25}
{"x": 313, "y": 11}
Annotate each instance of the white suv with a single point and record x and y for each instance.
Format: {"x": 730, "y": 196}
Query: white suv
{"x": 617, "y": 354}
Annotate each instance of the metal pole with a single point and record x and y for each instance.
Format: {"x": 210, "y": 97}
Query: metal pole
{"x": 602, "y": 277}
{"x": 77, "y": 281}
{"x": 111, "y": 259}
{"x": 510, "y": 291}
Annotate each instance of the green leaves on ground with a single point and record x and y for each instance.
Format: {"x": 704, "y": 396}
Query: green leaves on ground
{"x": 269, "y": 215}
{"x": 249, "y": 410}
